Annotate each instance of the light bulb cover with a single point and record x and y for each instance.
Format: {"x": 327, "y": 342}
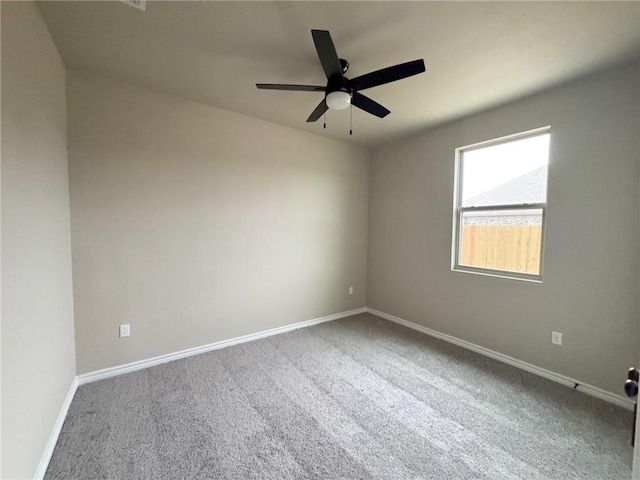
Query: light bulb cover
{"x": 338, "y": 100}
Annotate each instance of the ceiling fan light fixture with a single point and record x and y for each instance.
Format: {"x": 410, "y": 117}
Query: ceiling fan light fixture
{"x": 338, "y": 100}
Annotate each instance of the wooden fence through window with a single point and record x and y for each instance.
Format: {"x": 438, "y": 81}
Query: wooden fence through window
{"x": 504, "y": 247}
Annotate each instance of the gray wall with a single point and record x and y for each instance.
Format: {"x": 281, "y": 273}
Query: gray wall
{"x": 38, "y": 355}
{"x": 196, "y": 225}
{"x": 590, "y": 285}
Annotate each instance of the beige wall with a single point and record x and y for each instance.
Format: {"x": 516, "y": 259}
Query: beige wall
{"x": 38, "y": 354}
{"x": 590, "y": 286}
{"x": 195, "y": 225}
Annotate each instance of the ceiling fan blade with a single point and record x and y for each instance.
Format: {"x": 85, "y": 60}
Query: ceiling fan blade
{"x": 300, "y": 88}
{"x": 368, "y": 105}
{"x": 387, "y": 75}
{"x": 318, "y": 112}
{"x": 327, "y": 53}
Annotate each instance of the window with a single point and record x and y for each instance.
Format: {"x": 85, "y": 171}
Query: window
{"x": 500, "y": 206}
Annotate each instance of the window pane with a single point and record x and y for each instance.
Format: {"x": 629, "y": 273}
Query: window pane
{"x": 507, "y": 173}
{"x": 508, "y": 240}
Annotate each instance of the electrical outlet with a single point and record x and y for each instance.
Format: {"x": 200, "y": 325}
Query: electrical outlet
{"x": 556, "y": 338}
{"x": 350, "y": 290}
{"x": 139, "y": 4}
{"x": 124, "y": 330}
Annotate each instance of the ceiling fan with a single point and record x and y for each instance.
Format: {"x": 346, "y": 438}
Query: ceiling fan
{"x": 340, "y": 91}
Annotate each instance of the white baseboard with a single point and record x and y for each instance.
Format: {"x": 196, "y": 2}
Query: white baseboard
{"x": 55, "y": 433}
{"x": 556, "y": 377}
{"x": 150, "y": 362}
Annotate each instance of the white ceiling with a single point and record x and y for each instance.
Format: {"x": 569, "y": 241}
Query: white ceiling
{"x": 478, "y": 54}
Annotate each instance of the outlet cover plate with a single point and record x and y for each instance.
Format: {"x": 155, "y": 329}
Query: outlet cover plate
{"x": 124, "y": 330}
{"x": 556, "y": 338}
{"x": 139, "y": 4}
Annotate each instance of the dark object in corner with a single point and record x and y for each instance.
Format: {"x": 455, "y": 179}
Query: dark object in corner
{"x": 631, "y": 389}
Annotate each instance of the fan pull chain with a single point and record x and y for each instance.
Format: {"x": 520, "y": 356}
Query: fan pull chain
{"x": 324, "y": 119}
{"x": 351, "y": 120}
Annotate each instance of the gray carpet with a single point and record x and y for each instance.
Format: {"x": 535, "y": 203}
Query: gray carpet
{"x": 357, "y": 398}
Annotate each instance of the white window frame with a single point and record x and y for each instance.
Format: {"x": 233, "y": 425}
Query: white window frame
{"x": 459, "y": 210}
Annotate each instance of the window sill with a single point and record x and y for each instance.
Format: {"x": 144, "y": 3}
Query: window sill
{"x": 499, "y": 274}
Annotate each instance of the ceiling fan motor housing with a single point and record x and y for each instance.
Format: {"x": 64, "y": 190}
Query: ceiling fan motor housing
{"x": 337, "y": 84}
{"x": 338, "y": 93}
